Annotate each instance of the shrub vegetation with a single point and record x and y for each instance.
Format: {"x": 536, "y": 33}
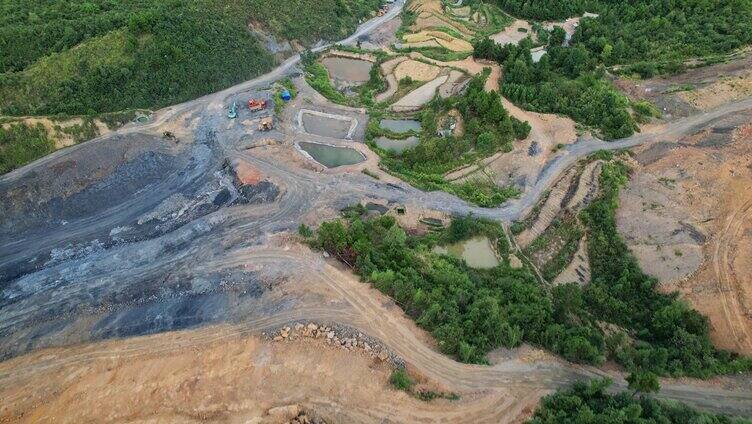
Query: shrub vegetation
{"x": 488, "y": 128}
{"x": 21, "y": 144}
{"x": 590, "y": 403}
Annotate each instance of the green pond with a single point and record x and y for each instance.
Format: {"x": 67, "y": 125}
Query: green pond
{"x": 397, "y": 146}
{"x": 331, "y": 156}
{"x": 400, "y": 125}
{"x": 348, "y": 69}
{"x": 478, "y": 252}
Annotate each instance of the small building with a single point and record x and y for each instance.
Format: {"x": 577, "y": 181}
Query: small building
{"x": 286, "y": 96}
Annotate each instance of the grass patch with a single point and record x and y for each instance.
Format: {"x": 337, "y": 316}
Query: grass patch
{"x": 21, "y": 144}
{"x": 400, "y": 380}
{"x": 279, "y": 103}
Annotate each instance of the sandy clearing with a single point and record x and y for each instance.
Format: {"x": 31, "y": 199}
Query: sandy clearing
{"x": 512, "y": 33}
{"x": 60, "y": 138}
{"x": 230, "y": 377}
{"x": 726, "y": 90}
{"x": 416, "y": 70}
{"x": 694, "y": 202}
{"x": 470, "y": 65}
{"x": 441, "y": 38}
{"x": 420, "y": 96}
{"x": 450, "y": 87}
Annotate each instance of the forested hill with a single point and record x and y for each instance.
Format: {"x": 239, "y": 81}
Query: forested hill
{"x": 652, "y": 33}
{"x": 76, "y": 57}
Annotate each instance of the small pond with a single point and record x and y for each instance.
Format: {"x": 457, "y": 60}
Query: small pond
{"x": 397, "y": 146}
{"x": 347, "y": 70}
{"x": 332, "y": 156}
{"x": 326, "y": 126}
{"x": 477, "y": 252}
{"x": 400, "y": 125}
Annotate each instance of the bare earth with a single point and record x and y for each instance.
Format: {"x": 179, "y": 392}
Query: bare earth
{"x": 687, "y": 216}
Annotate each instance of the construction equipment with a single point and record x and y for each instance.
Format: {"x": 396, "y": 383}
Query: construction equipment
{"x": 233, "y": 113}
{"x": 256, "y": 104}
{"x": 266, "y": 123}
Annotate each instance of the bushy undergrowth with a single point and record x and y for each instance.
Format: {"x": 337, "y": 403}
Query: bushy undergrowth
{"x": 21, "y": 144}
{"x": 469, "y": 311}
{"x": 566, "y": 81}
{"x": 590, "y": 403}
{"x": 488, "y": 128}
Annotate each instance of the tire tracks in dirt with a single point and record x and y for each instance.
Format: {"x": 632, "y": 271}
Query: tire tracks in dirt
{"x": 729, "y": 285}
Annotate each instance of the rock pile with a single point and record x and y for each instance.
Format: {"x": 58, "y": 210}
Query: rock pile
{"x": 287, "y": 414}
{"x": 339, "y": 336}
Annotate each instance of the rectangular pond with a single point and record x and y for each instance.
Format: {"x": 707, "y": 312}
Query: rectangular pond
{"x": 397, "y": 146}
{"x": 331, "y": 156}
{"x": 400, "y": 125}
{"x": 349, "y": 70}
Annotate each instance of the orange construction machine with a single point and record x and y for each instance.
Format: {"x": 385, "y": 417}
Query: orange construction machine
{"x": 256, "y": 104}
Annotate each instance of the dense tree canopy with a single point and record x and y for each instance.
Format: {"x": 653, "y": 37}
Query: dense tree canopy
{"x": 650, "y": 35}
{"x": 566, "y": 80}
{"x": 104, "y": 55}
{"x": 587, "y": 403}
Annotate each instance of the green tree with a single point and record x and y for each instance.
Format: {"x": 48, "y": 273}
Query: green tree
{"x": 643, "y": 382}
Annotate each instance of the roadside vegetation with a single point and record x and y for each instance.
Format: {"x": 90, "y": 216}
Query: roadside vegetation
{"x": 21, "y": 144}
{"x": 590, "y": 403}
{"x": 401, "y": 380}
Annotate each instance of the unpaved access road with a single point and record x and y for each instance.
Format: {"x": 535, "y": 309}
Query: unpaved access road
{"x": 149, "y": 243}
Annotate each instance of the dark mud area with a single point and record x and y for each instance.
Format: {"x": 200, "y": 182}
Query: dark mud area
{"x": 109, "y": 241}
